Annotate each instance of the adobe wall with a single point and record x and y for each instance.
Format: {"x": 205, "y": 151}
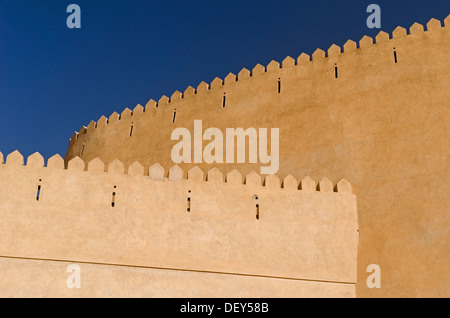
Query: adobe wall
{"x": 44, "y": 278}
{"x": 382, "y": 125}
{"x": 238, "y": 227}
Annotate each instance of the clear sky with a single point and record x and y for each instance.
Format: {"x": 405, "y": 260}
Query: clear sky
{"x": 54, "y": 80}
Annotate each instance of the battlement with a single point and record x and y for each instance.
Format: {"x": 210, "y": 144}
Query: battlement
{"x": 86, "y": 213}
{"x": 175, "y": 173}
{"x": 304, "y": 63}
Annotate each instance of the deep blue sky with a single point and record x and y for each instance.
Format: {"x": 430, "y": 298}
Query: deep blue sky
{"x": 54, "y": 80}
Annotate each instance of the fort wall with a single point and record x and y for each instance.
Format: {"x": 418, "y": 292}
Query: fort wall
{"x": 375, "y": 113}
{"x": 267, "y": 232}
{"x": 44, "y": 278}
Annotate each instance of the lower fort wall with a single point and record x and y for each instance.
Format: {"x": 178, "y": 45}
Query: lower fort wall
{"x": 39, "y": 278}
{"x": 299, "y": 234}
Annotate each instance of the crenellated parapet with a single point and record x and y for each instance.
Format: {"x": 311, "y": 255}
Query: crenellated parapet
{"x": 175, "y": 173}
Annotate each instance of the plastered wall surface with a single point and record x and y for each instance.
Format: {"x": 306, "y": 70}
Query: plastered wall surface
{"x": 382, "y": 124}
{"x": 32, "y": 278}
{"x": 234, "y": 226}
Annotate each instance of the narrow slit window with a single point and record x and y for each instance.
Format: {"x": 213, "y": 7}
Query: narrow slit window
{"x": 335, "y": 71}
{"x": 113, "y": 199}
{"x": 131, "y": 129}
{"x": 257, "y": 211}
{"x": 82, "y": 150}
{"x": 38, "y": 194}
{"x": 189, "y": 204}
{"x": 395, "y": 56}
{"x": 174, "y": 116}
{"x": 224, "y": 100}
{"x": 279, "y": 86}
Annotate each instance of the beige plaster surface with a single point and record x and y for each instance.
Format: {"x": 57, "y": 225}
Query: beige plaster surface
{"x": 39, "y": 278}
{"x": 299, "y": 235}
{"x": 381, "y": 125}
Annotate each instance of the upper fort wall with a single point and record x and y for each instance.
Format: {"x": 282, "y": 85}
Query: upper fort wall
{"x": 374, "y": 112}
{"x": 236, "y": 225}
{"x": 277, "y": 95}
